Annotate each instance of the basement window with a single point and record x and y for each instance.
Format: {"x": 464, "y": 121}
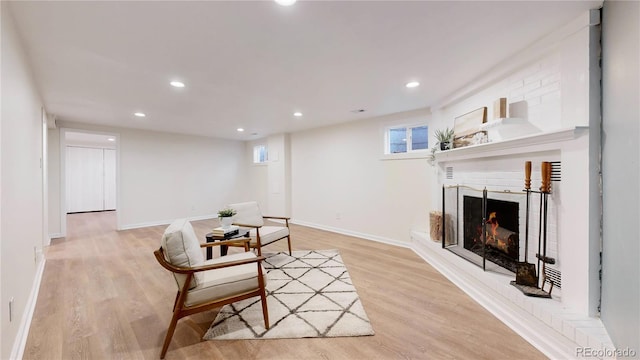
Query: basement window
{"x": 260, "y": 154}
{"x": 406, "y": 139}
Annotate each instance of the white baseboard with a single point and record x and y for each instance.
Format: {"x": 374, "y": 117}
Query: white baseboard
{"x": 166, "y": 222}
{"x": 352, "y": 233}
{"x": 55, "y": 236}
{"x": 20, "y": 341}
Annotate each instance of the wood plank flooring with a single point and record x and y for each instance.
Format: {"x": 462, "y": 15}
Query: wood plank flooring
{"x": 104, "y": 296}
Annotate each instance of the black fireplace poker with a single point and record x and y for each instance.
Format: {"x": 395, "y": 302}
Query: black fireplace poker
{"x": 546, "y": 190}
{"x": 484, "y": 229}
{"x": 526, "y": 273}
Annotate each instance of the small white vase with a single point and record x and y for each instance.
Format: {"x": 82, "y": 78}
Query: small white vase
{"x": 225, "y": 222}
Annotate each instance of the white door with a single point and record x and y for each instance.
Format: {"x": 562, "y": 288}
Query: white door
{"x": 85, "y": 179}
{"x": 109, "y": 179}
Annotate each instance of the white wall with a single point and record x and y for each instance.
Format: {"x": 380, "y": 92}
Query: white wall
{"x": 341, "y": 182}
{"x": 550, "y": 88}
{"x": 621, "y": 168}
{"x": 21, "y": 219}
{"x": 555, "y": 64}
{"x": 53, "y": 163}
{"x": 166, "y": 176}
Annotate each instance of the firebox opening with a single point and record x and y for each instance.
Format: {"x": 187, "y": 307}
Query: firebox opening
{"x": 502, "y": 225}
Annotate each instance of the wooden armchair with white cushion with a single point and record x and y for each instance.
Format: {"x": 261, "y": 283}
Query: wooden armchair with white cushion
{"x": 248, "y": 215}
{"x": 205, "y": 285}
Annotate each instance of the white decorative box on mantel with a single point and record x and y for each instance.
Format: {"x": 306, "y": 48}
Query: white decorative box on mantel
{"x": 508, "y": 128}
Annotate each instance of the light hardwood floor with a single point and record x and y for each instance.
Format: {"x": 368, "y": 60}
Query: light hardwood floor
{"x": 104, "y": 296}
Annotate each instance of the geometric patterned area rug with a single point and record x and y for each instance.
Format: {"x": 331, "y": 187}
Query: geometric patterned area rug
{"x": 309, "y": 294}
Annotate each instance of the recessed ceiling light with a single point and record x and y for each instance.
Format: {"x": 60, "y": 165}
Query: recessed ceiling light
{"x": 286, "y": 2}
{"x": 240, "y": 129}
{"x": 412, "y": 84}
{"x": 140, "y": 114}
{"x": 297, "y": 114}
{"x": 111, "y": 139}
{"x": 177, "y": 84}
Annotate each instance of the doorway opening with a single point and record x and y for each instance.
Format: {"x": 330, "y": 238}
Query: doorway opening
{"x": 90, "y": 179}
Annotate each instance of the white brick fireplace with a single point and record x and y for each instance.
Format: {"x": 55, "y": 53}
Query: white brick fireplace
{"x": 500, "y": 167}
{"x": 567, "y": 320}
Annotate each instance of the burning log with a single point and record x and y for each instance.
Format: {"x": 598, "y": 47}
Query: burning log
{"x": 502, "y": 239}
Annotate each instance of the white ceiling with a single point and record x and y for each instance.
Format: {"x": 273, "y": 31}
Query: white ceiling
{"x": 252, "y": 64}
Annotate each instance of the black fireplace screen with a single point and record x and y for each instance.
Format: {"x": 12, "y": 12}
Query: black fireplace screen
{"x": 480, "y": 227}
{"x": 501, "y": 244}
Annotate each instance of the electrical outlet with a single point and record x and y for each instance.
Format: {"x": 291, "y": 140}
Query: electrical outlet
{"x": 10, "y": 309}
{"x": 338, "y": 216}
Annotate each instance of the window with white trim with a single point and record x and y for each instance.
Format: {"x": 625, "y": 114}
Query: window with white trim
{"x": 260, "y": 154}
{"x": 405, "y": 139}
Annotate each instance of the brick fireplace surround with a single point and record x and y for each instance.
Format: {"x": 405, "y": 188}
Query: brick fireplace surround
{"x": 568, "y": 321}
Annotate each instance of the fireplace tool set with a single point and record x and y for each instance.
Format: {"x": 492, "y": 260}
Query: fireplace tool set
{"x": 527, "y": 277}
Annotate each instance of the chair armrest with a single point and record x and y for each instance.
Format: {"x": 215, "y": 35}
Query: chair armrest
{"x": 159, "y": 254}
{"x": 285, "y": 218}
{"x": 226, "y": 242}
{"x": 247, "y": 226}
{"x": 276, "y": 217}
{"x": 257, "y": 259}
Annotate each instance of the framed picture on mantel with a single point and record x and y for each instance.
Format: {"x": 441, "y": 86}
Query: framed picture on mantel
{"x": 466, "y": 128}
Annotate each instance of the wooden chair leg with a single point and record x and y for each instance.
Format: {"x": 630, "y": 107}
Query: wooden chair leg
{"x": 265, "y": 311}
{"x": 175, "y": 302}
{"x": 263, "y": 297}
{"x": 170, "y": 331}
{"x": 289, "y": 241}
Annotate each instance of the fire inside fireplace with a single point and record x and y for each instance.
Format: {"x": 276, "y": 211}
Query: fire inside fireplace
{"x": 501, "y": 244}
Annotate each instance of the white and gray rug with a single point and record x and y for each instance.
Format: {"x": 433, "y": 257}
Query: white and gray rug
{"x": 309, "y": 294}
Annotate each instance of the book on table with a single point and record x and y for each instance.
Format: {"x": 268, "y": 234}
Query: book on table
{"x": 220, "y": 232}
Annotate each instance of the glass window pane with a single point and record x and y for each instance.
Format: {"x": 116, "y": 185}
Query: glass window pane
{"x": 263, "y": 154}
{"x": 397, "y": 140}
{"x": 259, "y": 154}
{"x": 419, "y": 138}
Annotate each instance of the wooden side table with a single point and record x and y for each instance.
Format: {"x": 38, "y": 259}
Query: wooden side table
{"x": 223, "y": 248}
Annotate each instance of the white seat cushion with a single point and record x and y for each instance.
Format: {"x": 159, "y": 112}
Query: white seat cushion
{"x": 182, "y": 248}
{"x": 247, "y": 213}
{"x": 269, "y": 234}
{"x": 226, "y": 282}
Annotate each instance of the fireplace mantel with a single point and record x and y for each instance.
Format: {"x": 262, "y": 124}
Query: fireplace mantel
{"x": 547, "y": 141}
